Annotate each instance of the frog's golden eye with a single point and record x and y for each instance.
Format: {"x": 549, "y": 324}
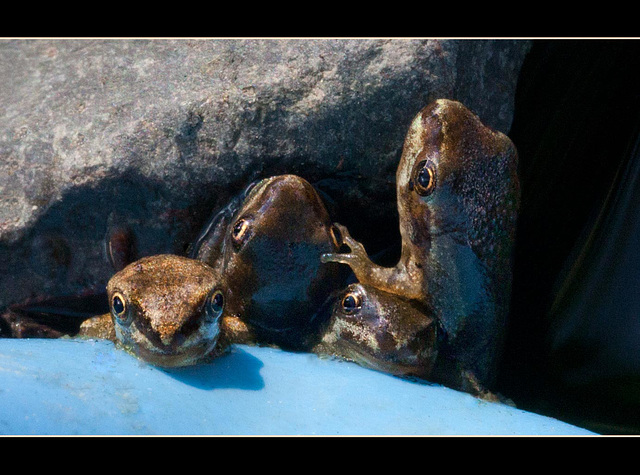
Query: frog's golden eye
{"x": 119, "y": 306}
{"x": 351, "y": 303}
{"x": 424, "y": 178}
{"x": 240, "y": 231}
{"x": 215, "y": 303}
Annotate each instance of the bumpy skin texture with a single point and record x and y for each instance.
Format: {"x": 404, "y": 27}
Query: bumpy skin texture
{"x": 261, "y": 253}
{"x": 381, "y": 331}
{"x": 268, "y": 248}
{"x": 458, "y": 196}
{"x": 162, "y": 310}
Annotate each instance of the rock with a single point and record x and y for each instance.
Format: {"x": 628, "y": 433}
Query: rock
{"x": 154, "y": 135}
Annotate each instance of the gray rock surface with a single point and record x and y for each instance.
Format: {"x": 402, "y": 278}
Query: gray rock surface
{"x": 156, "y": 134}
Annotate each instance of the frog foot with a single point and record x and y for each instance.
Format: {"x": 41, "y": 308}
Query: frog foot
{"x": 357, "y": 257}
{"x": 383, "y": 278}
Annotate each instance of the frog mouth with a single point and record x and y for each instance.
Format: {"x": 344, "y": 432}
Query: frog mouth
{"x": 368, "y": 357}
{"x": 185, "y": 348}
{"x": 176, "y": 356}
{"x": 362, "y": 356}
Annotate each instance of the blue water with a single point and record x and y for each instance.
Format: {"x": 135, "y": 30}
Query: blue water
{"x": 61, "y": 387}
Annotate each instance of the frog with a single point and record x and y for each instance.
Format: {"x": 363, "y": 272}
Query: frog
{"x": 458, "y": 194}
{"x": 165, "y": 309}
{"x": 268, "y": 249}
{"x": 385, "y": 332}
{"x": 380, "y": 331}
{"x": 252, "y": 276}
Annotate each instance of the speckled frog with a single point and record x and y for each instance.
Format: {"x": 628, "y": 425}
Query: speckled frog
{"x": 458, "y": 196}
{"x": 253, "y": 275}
{"x": 165, "y": 309}
{"x": 269, "y": 257}
{"x": 381, "y": 331}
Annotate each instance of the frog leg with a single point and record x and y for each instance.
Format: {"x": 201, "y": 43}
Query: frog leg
{"x": 98, "y": 327}
{"x": 356, "y": 259}
{"x": 390, "y": 279}
{"x": 234, "y": 330}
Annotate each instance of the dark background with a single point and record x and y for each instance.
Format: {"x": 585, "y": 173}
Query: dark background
{"x": 576, "y": 122}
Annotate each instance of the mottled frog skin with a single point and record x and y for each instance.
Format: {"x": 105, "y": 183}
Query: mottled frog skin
{"x": 254, "y": 275}
{"x": 458, "y": 196}
{"x": 165, "y": 309}
{"x": 268, "y": 250}
{"x": 381, "y": 331}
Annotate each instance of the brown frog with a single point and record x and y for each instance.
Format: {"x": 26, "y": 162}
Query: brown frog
{"x": 165, "y": 309}
{"x": 254, "y": 275}
{"x": 268, "y": 251}
{"x": 381, "y": 331}
{"x": 394, "y": 335}
{"x": 458, "y": 196}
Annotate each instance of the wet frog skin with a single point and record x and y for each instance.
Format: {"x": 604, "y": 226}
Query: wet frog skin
{"x": 165, "y": 309}
{"x": 253, "y": 276}
{"x": 388, "y": 333}
{"x": 381, "y": 331}
{"x": 458, "y": 196}
{"x": 268, "y": 250}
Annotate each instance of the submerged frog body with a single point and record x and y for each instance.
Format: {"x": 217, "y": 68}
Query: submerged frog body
{"x": 268, "y": 250}
{"x": 165, "y": 309}
{"x": 381, "y": 331}
{"x": 457, "y": 195}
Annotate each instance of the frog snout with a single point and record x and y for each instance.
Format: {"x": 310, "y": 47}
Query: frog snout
{"x": 173, "y": 333}
{"x": 167, "y": 337}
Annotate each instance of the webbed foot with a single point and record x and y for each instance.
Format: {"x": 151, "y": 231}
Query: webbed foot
{"x": 357, "y": 257}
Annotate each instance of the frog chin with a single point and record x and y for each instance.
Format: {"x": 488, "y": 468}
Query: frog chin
{"x": 190, "y": 351}
{"x": 188, "y": 356}
{"x": 363, "y": 350}
{"x": 360, "y": 354}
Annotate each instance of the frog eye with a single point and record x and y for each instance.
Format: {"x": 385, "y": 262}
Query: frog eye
{"x": 424, "y": 178}
{"x": 240, "y": 231}
{"x": 215, "y": 303}
{"x": 119, "y": 306}
{"x": 351, "y": 303}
